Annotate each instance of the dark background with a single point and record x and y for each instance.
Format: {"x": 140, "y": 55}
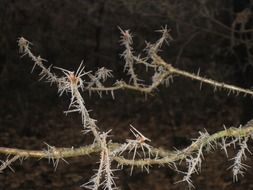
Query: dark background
{"x": 66, "y": 32}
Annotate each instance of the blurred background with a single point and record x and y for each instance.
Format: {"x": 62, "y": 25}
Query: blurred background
{"x": 213, "y": 35}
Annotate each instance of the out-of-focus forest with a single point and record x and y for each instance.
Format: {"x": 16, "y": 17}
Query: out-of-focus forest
{"x": 213, "y": 35}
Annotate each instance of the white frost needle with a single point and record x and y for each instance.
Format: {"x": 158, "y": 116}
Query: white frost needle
{"x": 133, "y": 145}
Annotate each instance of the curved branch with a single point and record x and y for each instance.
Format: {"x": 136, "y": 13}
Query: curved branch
{"x": 173, "y": 71}
{"x": 169, "y": 157}
{"x": 164, "y": 156}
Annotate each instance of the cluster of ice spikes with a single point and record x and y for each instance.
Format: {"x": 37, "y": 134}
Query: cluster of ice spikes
{"x": 72, "y": 82}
